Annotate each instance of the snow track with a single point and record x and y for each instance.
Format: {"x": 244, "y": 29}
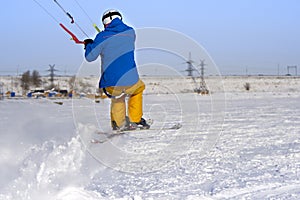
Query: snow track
{"x": 257, "y": 156}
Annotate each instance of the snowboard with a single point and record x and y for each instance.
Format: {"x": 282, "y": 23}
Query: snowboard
{"x": 111, "y": 134}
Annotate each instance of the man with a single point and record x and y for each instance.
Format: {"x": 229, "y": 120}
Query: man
{"x": 119, "y": 75}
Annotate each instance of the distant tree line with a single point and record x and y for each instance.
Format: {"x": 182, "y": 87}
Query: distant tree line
{"x": 33, "y": 79}
{"x": 30, "y": 79}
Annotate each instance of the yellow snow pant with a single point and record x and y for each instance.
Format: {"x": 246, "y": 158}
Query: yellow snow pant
{"x": 135, "y": 103}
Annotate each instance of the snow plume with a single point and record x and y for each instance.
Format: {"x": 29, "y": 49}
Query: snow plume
{"x": 48, "y": 170}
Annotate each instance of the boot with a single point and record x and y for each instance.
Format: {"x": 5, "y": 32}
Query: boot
{"x": 127, "y": 125}
{"x": 143, "y": 124}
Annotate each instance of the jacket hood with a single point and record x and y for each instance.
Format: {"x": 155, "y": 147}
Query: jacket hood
{"x": 117, "y": 26}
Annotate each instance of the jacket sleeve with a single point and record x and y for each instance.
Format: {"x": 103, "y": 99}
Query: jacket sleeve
{"x": 93, "y": 50}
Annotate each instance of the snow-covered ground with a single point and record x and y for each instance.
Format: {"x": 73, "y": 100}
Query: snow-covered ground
{"x": 233, "y": 145}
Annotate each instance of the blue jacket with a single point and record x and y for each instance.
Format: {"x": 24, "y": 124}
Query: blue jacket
{"x": 115, "y": 46}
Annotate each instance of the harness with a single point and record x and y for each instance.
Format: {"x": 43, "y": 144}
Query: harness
{"x": 113, "y": 97}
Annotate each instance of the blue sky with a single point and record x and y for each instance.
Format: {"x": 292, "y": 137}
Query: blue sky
{"x": 256, "y": 36}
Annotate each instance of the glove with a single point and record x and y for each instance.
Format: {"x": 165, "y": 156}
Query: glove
{"x": 87, "y": 41}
